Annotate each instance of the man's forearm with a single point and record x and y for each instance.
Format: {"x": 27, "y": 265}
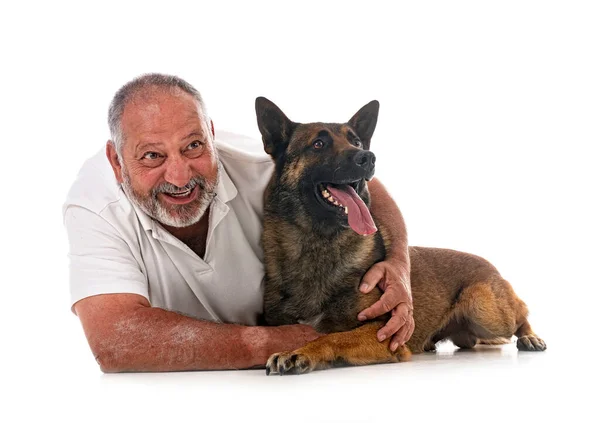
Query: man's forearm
{"x": 388, "y": 215}
{"x": 153, "y": 339}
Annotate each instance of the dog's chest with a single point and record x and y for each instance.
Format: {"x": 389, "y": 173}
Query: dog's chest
{"x": 320, "y": 290}
{"x": 312, "y": 279}
{"x": 313, "y": 321}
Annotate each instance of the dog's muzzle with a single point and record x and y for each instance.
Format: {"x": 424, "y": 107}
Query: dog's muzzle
{"x": 365, "y": 160}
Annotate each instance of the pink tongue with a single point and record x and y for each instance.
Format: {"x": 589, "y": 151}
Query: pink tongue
{"x": 359, "y": 217}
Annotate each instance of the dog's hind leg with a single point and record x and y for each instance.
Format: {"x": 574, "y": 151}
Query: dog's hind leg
{"x": 527, "y": 340}
{"x": 492, "y": 310}
{"x": 356, "y": 347}
{"x": 455, "y": 330}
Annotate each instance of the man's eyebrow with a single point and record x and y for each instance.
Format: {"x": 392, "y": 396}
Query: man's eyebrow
{"x": 195, "y": 134}
{"x": 147, "y": 145}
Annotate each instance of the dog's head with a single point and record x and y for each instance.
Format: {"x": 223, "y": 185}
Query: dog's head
{"x": 323, "y": 166}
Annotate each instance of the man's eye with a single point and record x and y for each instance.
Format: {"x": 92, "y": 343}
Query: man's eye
{"x": 151, "y": 155}
{"x": 194, "y": 144}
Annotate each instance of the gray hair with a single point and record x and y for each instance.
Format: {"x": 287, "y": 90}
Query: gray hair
{"x": 127, "y": 92}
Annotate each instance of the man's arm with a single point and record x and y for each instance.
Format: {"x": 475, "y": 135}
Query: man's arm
{"x": 393, "y": 274}
{"x": 385, "y": 209}
{"x": 126, "y": 334}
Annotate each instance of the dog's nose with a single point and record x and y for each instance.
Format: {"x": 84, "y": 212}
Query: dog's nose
{"x": 365, "y": 159}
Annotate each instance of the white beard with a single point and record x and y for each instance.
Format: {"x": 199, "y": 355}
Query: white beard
{"x": 181, "y": 218}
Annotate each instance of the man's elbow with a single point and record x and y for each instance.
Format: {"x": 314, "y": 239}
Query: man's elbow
{"x": 112, "y": 356}
{"x": 108, "y": 361}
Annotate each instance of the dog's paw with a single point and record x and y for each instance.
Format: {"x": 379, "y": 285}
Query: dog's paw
{"x": 429, "y": 347}
{"x": 289, "y": 363}
{"x": 530, "y": 343}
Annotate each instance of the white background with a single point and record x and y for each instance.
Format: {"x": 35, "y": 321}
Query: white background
{"x": 487, "y": 140}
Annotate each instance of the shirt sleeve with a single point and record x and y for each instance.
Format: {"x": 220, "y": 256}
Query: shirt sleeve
{"x": 100, "y": 260}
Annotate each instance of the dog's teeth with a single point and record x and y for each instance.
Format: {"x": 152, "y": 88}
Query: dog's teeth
{"x": 346, "y": 210}
{"x": 325, "y": 193}
{"x": 336, "y": 203}
{"x": 331, "y": 199}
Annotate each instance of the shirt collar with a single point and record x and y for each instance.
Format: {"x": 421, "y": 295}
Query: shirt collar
{"x": 226, "y": 190}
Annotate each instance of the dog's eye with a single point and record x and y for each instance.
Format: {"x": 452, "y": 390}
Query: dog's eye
{"x": 356, "y": 142}
{"x": 318, "y": 144}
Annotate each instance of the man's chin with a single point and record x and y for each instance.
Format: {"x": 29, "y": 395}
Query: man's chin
{"x": 178, "y": 222}
{"x": 179, "y": 218}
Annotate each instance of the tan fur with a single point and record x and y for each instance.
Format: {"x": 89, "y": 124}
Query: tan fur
{"x": 347, "y": 348}
{"x": 295, "y": 172}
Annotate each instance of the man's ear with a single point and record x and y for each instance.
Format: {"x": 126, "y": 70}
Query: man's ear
{"x": 113, "y": 158}
{"x": 275, "y": 127}
{"x": 364, "y": 122}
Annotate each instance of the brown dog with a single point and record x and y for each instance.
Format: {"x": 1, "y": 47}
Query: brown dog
{"x": 319, "y": 239}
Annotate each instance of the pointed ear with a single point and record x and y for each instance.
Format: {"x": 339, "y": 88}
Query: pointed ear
{"x": 364, "y": 122}
{"x": 274, "y": 126}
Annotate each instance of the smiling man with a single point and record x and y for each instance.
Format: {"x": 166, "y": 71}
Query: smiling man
{"x": 165, "y": 258}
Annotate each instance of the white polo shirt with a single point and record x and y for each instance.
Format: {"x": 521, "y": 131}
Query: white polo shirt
{"x": 116, "y": 248}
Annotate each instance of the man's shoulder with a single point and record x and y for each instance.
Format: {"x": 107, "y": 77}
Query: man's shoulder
{"x": 241, "y": 148}
{"x": 247, "y": 165}
{"x": 95, "y": 186}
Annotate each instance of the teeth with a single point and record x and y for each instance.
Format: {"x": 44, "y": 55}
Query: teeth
{"x": 327, "y": 195}
{"x": 180, "y": 194}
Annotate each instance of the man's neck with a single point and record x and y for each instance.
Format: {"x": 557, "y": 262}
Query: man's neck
{"x": 193, "y": 236}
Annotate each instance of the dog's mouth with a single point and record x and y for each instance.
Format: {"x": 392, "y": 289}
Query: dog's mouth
{"x": 344, "y": 200}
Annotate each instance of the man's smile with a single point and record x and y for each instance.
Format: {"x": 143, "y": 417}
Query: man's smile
{"x": 183, "y": 197}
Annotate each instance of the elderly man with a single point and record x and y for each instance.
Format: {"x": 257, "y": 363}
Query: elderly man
{"x": 165, "y": 257}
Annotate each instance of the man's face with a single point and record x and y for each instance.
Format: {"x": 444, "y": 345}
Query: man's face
{"x": 170, "y": 167}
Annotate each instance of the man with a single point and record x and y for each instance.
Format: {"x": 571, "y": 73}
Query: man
{"x": 165, "y": 257}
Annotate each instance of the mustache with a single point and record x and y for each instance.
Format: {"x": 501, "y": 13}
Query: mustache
{"x": 169, "y": 188}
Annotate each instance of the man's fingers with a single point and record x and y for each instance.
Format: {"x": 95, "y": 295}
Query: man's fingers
{"x": 391, "y": 327}
{"x": 402, "y": 335}
{"x": 371, "y": 279}
{"x": 381, "y": 307}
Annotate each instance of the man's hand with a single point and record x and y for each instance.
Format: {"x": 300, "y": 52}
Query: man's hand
{"x": 394, "y": 280}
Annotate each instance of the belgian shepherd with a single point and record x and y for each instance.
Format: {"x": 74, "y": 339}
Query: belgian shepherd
{"x": 319, "y": 239}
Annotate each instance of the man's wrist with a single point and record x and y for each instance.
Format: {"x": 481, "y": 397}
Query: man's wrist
{"x": 401, "y": 262}
{"x": 399, "y": 259}
{"x": 256, "y": 342}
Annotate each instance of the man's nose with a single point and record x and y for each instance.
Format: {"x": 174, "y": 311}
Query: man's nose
{"x": 178, "y": 171}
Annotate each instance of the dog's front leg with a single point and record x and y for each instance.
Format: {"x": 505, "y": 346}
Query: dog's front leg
{"x": 356, "y": 347}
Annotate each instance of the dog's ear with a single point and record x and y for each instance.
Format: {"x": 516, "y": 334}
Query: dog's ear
{"x": 275, "y": 127}
{"x": 364, "y": 122}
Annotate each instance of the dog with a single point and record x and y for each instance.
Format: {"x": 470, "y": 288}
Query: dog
{"x": 319, "y": 239}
